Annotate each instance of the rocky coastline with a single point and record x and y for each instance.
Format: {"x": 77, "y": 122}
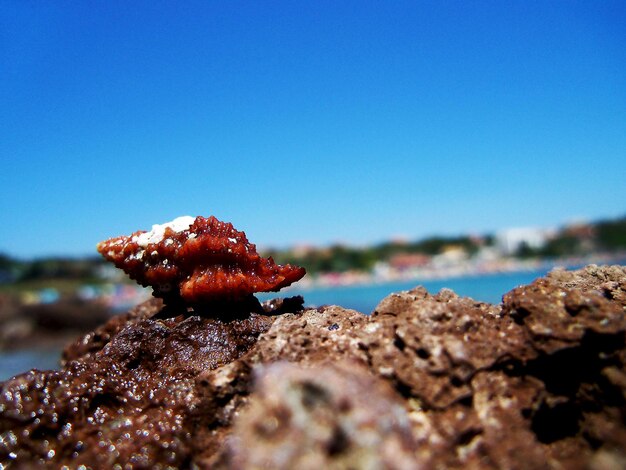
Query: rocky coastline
{"x": 426, "y": 381}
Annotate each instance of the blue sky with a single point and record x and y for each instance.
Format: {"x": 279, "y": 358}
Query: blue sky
{"x": 307, "y": 121}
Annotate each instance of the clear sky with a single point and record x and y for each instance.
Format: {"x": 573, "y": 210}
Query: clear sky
{"x": 307, "y": 121}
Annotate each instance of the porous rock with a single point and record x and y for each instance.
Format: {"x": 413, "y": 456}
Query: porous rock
{"x": 426, "y": 381}
{"x": 333, "y": 415}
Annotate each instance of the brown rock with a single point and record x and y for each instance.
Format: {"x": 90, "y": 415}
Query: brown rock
{"x": 431, "y": 346}
{"x": 124, "y": 394}
{"x": 560, "y": 310}
{"x": 427, "y": 381}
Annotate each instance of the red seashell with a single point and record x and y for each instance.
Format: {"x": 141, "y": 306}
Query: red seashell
{"x": 199, "y": 260}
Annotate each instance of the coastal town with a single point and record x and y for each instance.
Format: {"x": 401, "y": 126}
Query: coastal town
{"x": 508, "y": 250}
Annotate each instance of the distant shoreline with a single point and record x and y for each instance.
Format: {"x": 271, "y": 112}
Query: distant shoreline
{"x": 464, "y": 270}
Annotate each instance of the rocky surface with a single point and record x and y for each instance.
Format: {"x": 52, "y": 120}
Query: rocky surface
{"x": 426, "y": 381}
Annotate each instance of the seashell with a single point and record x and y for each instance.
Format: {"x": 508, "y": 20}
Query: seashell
{"x": 197, "y": 259}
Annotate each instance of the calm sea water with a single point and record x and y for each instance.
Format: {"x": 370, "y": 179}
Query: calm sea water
{"x": 364, "y": 298}
{"x": 16, "y": 362}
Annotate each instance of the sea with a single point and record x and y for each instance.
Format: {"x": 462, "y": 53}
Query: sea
{"x": 363, "y": 298}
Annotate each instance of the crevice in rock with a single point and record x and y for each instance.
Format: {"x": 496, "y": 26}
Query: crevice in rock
{"x": 339, "y": 442}
{"x": 573, "y": 383}
{"x": 468, "y": 436}
{"x": 553, "y": 423}
{"x": 398, "y": 342}
{"x": 422, "y": 353}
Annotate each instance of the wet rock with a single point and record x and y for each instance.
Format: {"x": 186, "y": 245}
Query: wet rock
{"x": 124, "y": 393}
{"x": 426, "y": 381}
{"x": 94, "y": 341}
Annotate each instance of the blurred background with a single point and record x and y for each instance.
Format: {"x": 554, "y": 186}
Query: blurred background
{"x": 379, "y": 144}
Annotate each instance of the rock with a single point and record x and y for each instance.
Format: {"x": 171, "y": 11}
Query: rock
{"x": 124, "y": 393}
{"x": 426, "y": 381}
{"x": 334, "y": 415}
